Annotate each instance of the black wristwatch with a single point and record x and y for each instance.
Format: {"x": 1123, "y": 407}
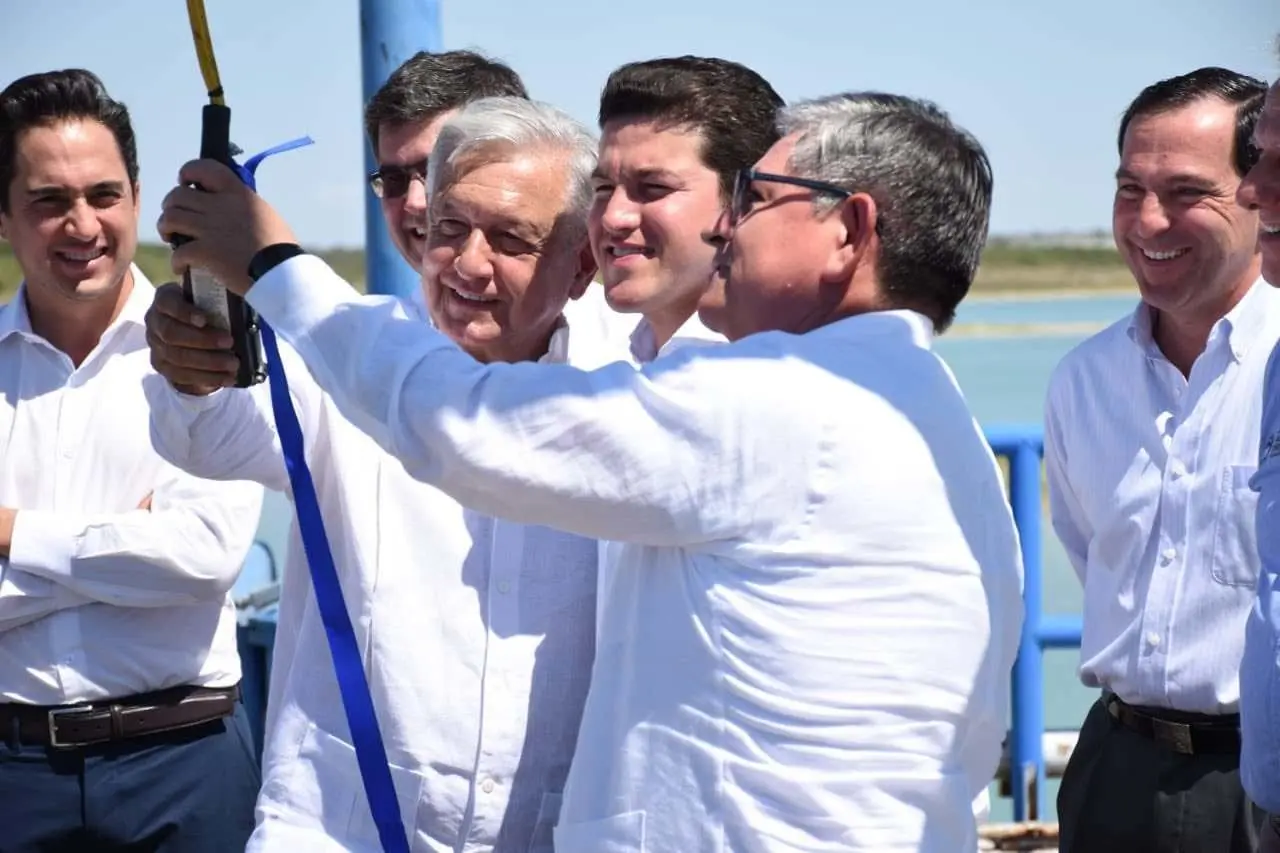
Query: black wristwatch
{"x": 267, "y": 259}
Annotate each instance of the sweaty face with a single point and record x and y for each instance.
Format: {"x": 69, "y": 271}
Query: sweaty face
{"x": 1189, "y": 244}
{"x": 1260, "y": 189}
{"x": 653, "y": 199}
{"x": 407, "y": 146}
{"x": 772, "y": 264}
{"x": 500, "y": 263}
{"x": 73, "y": 214}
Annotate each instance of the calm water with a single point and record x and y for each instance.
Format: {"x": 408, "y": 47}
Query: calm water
{"x": 1004, "y": 378}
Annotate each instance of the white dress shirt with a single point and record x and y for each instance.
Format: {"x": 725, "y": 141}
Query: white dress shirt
{"x": 476, "y": 635}
{"x": 1260, "y": 664}
{"x": 1149, "y": 492}
{"x": 809, "y": 641}
{"x": 642, "y": 348}
{"x": 98, "y": 598}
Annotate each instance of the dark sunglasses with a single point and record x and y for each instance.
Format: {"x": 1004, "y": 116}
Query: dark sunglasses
{"x": 393, "y": 181}
{"x": 741, "y": 203}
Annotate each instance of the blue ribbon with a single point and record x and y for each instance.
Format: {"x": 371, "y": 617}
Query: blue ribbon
{"x": 362, "y": 720}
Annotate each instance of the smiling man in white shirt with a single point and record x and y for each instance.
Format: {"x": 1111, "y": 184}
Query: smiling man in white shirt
{"x": 120, "y": 721}
{"x": 1151, "y": 436}
{"x": 477, "y": 632}
{"x": 674, "y": 133}
{"x": 810, "y": 638}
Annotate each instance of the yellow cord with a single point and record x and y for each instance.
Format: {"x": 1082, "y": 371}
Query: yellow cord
{"x": 204, "y": 51}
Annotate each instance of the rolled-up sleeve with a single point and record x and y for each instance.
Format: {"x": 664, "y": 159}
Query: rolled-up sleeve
{"x": 672, "y": 455}
{"x": 1260, "y": 666}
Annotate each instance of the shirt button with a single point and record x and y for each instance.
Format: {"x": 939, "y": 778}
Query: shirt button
{"x": 504, "y": 587}
{"x": 1153, "y": 638}
{"x": 1168, "y": 554}
{"x": 1176, "y": 470}
{"x": 487, "y": 787}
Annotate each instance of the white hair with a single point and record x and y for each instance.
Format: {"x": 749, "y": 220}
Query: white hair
{"x": 490, "y": 130}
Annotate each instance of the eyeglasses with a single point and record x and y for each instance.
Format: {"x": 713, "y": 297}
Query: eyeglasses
{"x": 394, "y": 181}
{"x": 742, "y": 202}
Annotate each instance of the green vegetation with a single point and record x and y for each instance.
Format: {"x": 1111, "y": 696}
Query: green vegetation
{"x": 1011, "y": 266}
{"x": 153, "y": 260}
{"x": 1007, "y": 266}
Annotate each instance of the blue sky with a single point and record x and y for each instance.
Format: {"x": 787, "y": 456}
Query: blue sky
{"x": 1040, "y": 84}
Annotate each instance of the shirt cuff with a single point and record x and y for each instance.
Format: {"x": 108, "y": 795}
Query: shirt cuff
{"x": 42, "y": 544}
{"x": 297, "y": 294}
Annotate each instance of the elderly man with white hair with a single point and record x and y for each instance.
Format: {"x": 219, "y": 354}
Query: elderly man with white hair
{"x": 477, "y": 633}
{"x": 818, "y": 600}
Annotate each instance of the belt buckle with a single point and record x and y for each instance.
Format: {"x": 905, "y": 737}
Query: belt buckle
{"x": 54, "y": 714}
{"x": 1176, "y": 736}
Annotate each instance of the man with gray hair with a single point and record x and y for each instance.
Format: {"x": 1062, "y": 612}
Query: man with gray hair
{"x": 477, "y": 633}
{"x": 818, "y": 599}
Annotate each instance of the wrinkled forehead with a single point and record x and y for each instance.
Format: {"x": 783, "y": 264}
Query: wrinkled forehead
{"x": 72, "y": 154}
{"x": 524, "y": 186}
{"x": 1192, "y": 142}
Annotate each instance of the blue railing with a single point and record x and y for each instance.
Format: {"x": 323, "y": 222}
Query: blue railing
{"x": 1023, "y": 447}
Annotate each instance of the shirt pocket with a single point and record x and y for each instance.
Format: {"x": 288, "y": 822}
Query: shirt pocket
{"x": 324, "y": 785}
{"x": 1235, "y": 543}
{"x": 544, "y": 828}
{"x": 622, "y": 833}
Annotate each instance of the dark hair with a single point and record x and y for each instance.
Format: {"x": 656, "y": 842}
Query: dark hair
{"x": 41, "y": 100}
{"x": 428, "y": 84}
{"x": 1239, "y": 90}
{"x": 731, "y": 106}
{"x": 931, "y": 182}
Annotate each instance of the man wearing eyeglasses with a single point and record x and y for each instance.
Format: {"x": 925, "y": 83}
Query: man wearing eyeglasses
{"x": 818, "y": 601}
{"x": 403, "y": 119}
{"x": 476, "y": 633}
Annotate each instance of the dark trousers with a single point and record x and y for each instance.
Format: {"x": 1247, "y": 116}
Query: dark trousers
{"x": 186, "y": 791}
{"x": 1123, "y": 791}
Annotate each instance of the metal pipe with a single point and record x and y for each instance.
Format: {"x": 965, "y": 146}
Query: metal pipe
{"x": 391, "y": 31}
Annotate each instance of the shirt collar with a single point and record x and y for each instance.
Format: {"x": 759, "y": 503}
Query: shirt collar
{"x": 1239, "y": 328}
{"x": 15, "y": 319}
{"x": 644, "y": 344}
{"x": 558, "y": 348}
{"x": 917, "y": 326}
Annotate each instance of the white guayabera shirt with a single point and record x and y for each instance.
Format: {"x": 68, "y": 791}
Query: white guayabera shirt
{"x": 477, "y": 633}
{"x": 809, "y": 639}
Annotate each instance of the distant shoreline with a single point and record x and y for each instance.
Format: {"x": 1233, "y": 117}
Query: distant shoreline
{"x": 1031, "y": 294}
{"x": 988, "y": 331}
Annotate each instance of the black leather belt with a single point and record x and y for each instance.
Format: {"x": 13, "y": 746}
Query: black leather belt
{"x": 1205, "y": 735}
{"x": 65, "y": 726}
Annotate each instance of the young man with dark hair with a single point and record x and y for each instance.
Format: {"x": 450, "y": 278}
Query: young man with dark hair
{"x": 403, "y": 119}
{"x": 1151, "y": 437}
{"x": 119, "y": 671}
{"x": 674, "y": 133}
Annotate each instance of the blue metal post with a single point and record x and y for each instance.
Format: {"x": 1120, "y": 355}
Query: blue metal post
{"x": 1026, "y": 761}
{"x": 390, "y": 32}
